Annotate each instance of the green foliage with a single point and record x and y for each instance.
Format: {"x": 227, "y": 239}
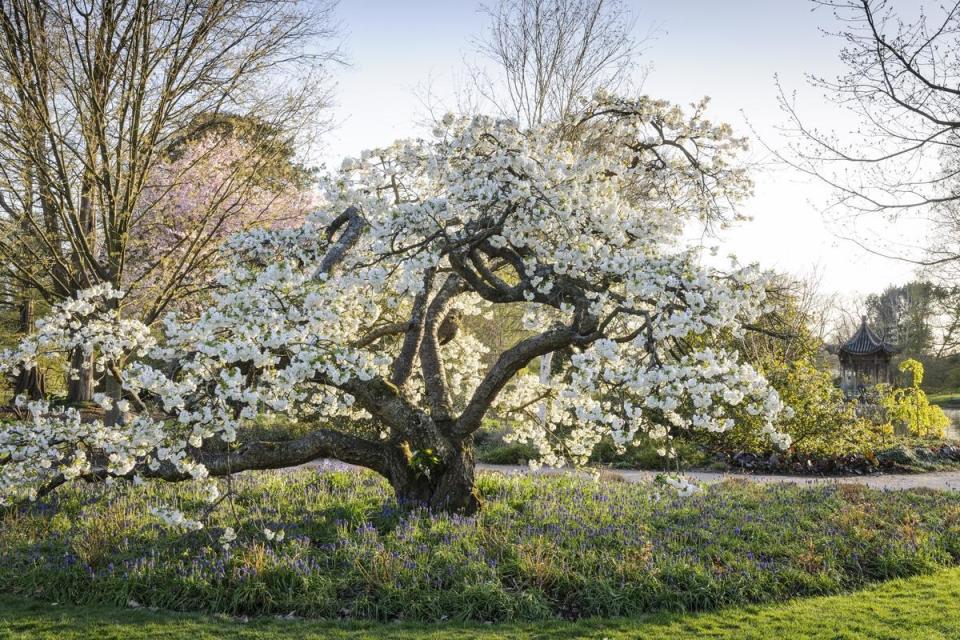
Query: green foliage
{"x": 947, "y": 400}
{"x": 423, "y": 462}
{"x": 941, "y": 375}
{"x": 824, "y": 423}
{"x": 821, "y": 420}
{"x": 645, "y": 454}
{"x": 541, "y": 547}
{"x": 492, "y": 449}
{"x": 908, "y": 408}
{"x": 507, "y": 453}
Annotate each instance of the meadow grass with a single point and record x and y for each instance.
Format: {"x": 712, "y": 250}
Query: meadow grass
{"x": 919, "y": 608}
{"x": 541, "y": 548}
{"x": 948, "y": 400}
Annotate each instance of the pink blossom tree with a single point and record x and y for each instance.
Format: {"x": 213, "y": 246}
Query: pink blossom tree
{"x": 214, "y": 187}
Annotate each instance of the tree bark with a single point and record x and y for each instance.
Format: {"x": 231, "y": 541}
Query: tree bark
{"x": 114, "y": 391}
{"x": 29, "y": 382}
{"x": 448, "y": 486}
{"x": 80, "y": 378}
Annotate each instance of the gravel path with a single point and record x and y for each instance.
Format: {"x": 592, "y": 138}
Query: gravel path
{"x": 933, "y": 480}
{"x": 949, "y": 480}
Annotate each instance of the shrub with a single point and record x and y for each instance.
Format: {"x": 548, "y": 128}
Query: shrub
{"x": 493, "y": 449}
{"x": 507, "y": 453}
{"x": 908, "y": 408}
{"x": 821, "y": 420}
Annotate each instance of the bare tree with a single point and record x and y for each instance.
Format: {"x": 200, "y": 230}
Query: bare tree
{"x": 901, "y": 84}
{"x": 92, "y": 94}
{"x": 546, "y": 55}
{"x": 901, "y": 163}
{"x": 795, "y": 326}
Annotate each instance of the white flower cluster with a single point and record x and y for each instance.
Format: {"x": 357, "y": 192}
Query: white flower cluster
{"x": 273, "y": 536}
{"x": 227, "y": 539}
{"x": 176, "y": 519}
{"x": 90, "y": 322}
{"x": 683, "y": 487}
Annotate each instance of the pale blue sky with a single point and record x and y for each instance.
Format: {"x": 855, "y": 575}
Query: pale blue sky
{"x": 729, "y": 50}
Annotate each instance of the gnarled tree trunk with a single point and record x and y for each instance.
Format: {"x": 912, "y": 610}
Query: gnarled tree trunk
{"x": 446, "y": 485}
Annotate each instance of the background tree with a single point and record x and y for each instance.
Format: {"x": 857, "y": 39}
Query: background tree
{"x": 795, "y": 325}
{"x": 93, "y": 95}
{"x": 901, "y": 159}
{"x": 900, "y": 83}
{"x": 903, "y": 315}
{"x": 946, "y": 319}
{"x": 900, "y": 162}
{"x": 215, "y": 182}
{"x": 546, "y": 57}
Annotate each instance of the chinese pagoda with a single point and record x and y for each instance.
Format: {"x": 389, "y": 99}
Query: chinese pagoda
{"x": 864, "y": 360}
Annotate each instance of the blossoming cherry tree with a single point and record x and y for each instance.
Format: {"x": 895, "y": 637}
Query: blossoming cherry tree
{"x": 356, "y": 322}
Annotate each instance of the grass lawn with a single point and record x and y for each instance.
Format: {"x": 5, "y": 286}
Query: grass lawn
{"x": 540, "y": 549}
{"x": 947, "y": 400}
{"x": 919, "y": 608}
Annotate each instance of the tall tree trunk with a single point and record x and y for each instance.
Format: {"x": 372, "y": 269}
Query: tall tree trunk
{"x": 30, "y": 382}
{"x": 80, "y": 382}
{"x": 80, "y": 378}
{"x": 114, "y": 391}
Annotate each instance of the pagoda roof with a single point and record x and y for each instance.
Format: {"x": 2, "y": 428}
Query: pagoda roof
{"x": 865, "y": 342}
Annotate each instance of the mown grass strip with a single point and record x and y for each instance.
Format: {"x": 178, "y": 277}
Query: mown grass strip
{"x": 918, "y": 608}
